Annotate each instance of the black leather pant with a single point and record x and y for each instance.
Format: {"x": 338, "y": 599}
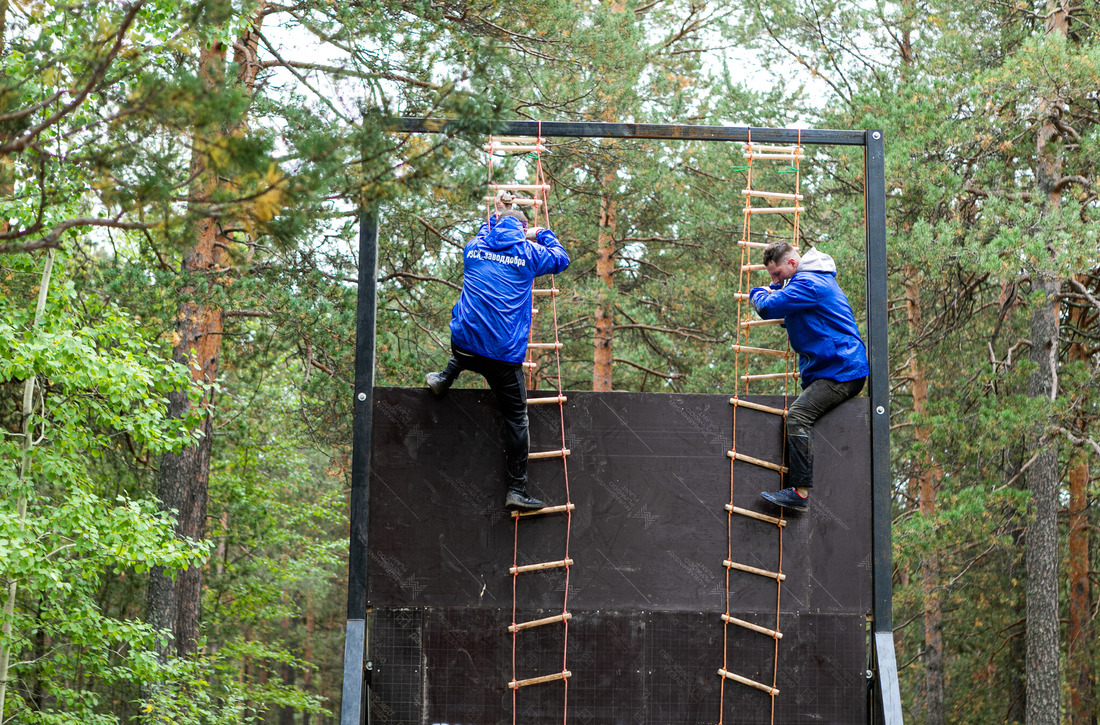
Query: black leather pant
{"x": 817, "y": 399}
{"x": 506, "y": 381}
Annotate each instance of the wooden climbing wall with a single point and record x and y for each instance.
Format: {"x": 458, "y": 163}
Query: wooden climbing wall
{"x": 649, "y": 476}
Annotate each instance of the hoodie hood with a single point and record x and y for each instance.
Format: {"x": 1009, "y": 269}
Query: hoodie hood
{"x": 506, "y": 233}
{"x": 815, "y": 261}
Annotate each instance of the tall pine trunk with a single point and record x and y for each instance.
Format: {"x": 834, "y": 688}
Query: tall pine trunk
{"x": 176, "y": 604}
{"x": 605, "y": 305}
{"x": 1041, "y": 535}
{"x": 925, "y": 483}
{"x": 7, "y": 173}
{"x": 1078, "y": 637}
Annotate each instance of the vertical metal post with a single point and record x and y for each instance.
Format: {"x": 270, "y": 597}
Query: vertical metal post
{"x": 366, "y": 313}
{"x": 888, "y": 696}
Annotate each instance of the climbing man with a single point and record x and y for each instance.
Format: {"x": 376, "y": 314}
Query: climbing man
{"x": 832, "y": 360}
{"x": 492, "y": 321}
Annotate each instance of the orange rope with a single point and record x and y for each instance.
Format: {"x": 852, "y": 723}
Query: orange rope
{"x": 515, "y": 632}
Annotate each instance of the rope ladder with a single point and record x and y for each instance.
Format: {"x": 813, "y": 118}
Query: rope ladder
{"x": 778, "y": 214}
{"x": 534, "y": 198}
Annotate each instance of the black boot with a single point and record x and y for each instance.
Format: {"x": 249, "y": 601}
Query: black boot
{"x": 517, "y": 499}
{"x": 439, "y": 383}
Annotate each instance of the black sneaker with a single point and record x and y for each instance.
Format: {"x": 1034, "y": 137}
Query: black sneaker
{"x": 438, "y": 383}
{"x": 788, "y": 498}
{"x": 519, "y": 501}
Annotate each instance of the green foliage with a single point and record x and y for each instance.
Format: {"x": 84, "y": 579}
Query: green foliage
{"x": 101, "y": 387}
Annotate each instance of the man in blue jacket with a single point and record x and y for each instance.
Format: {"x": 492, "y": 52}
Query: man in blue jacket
{"x": 491, "y": 323}
{"x": 832, "y": 360}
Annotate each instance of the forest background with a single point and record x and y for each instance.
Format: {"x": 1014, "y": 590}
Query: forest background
{"x": 179, "y": 195}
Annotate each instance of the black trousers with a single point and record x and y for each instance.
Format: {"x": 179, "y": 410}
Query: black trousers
{"x": 817, "y": 399}
{"x": 506, "y": 381}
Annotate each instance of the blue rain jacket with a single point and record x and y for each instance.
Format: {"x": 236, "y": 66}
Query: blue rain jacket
{"x": 819, "y": 321}
{"x": 493, "y": 314}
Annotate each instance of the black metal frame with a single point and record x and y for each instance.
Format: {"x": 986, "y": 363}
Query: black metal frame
{"x": 887, "y": 693}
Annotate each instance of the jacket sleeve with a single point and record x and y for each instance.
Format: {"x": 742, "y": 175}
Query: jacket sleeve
{"x": 796, "y": 296}
{"x": 548, "y": 254}
{"x": 757, "y": 295}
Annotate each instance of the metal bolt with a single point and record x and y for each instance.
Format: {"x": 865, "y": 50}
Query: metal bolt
{"x": 876, "y": 135}
{"x": 870, "y": 674}
{"x": 363, "y": 396}
{"x": 880, "y": 410}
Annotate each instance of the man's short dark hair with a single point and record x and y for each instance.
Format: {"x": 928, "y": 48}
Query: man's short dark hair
{"x": 515, "y": 214}
{"x": 776, "y": 252}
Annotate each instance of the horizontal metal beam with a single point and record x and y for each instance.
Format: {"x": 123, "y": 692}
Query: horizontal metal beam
{"x": 668, "y": 131}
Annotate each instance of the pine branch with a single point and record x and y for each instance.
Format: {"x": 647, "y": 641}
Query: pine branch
{"x": 668, "y": 330}
{"x": 20, "y": 143}
{"x": 421, "y": 278}
{"x": 52, "y": 240}
{"x": 666, "y": 376}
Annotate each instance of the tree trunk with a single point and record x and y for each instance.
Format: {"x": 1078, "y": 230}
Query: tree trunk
{"x": 286, "y": 714}
{"x": 1041, "y": 535}
{"x": 1078, "y": 638}
{"x": 605, "y": 304}
{"x": 1082, "y": 699}
{"x": 7, "y": 173}
{"x": 3, "y": 25}
{"x": 175, "y": 604}
{"x": 925, "y": 482}
{"x": 307, "y": 652}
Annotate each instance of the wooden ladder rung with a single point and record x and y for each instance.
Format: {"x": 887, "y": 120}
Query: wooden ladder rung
{"x": 546, "y": 345}
{"x": 769, "y": 376}
{"x": 774, "y": 209}
{"x": 773, "y": 156}
{"x": 754, "y": 515}
{"x": 778, "y": 576}
{"x": 530, "y": 366}
{"x": 534, "y": 310}
{"x": 767, "y": 147}
{"x": 758, "y": 406}
{"x": 548, "y": 510}
{"x": 540, "y": 622}
{"x": 774, "y": 634}
{"x": 517, "y": 201}
{"x": 756, "y": 461}
{"x": 539, "y": 567}
{"x": 518, "y": 148}
{"x": 539, "y": 680}
{"x": 552, "y": 399}
{"x": 562, "y": 453}
{"x": 746, "y": 681}
{"x": 758, "y": 323}
{"x": 515, "y": 139}
{"x": 771, "y": 194}
{"x": 759, "y": 245}
{"x": 759, "y": 350}
{"x": 552, "y": 292}
{"x": 754, "y": 267}
{"x": 519, "y": 187}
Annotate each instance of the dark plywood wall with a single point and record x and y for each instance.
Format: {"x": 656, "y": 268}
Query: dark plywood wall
{"x": 649, "y": 476}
